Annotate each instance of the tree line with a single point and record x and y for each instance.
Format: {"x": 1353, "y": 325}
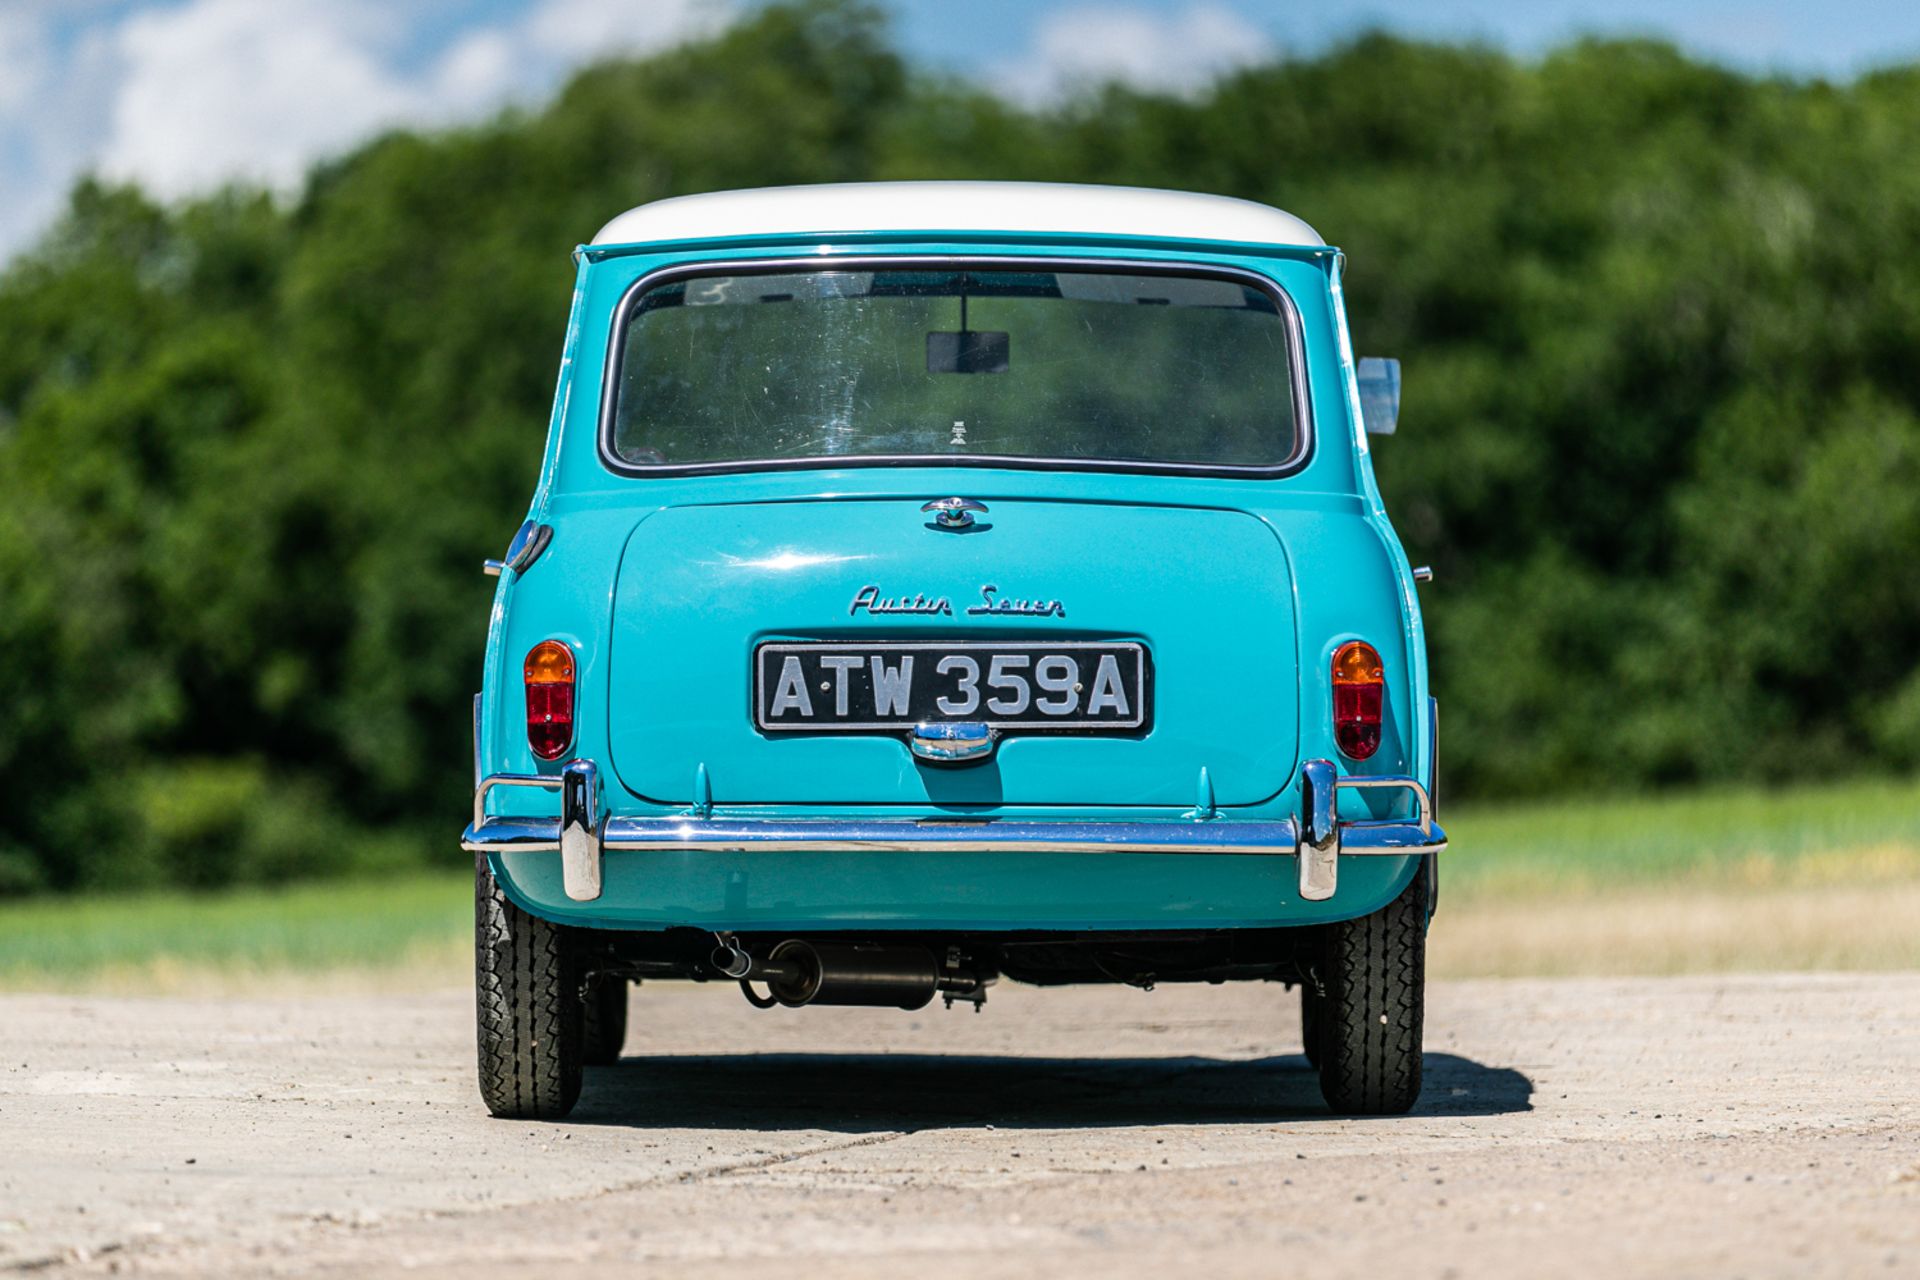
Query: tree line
{"x": 1659, "y": 322}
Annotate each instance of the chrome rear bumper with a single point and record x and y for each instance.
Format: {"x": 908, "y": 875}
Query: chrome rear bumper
{"x": 583, "y": 834}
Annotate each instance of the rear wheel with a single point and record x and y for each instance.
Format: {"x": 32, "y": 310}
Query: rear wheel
{"x": 1368, "y": 1026}
{"x": 529, "y": 1012}
{"x": 1310, "y": 1020}
{"x": 604, "y": 1025}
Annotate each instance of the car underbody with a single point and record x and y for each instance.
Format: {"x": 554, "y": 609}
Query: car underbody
{"x": 909, "y": 969}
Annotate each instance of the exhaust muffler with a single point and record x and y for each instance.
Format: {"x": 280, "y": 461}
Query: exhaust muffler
{"x": 798, "y": 972}
{"x": 841, "y": 973}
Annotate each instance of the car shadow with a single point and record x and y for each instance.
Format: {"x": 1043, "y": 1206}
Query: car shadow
{"x": 868, "y": 1093}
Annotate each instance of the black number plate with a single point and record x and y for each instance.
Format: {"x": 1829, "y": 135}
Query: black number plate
{"x": 1083, "y": 686}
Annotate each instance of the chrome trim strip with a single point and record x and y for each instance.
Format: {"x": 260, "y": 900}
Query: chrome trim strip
{"x": 1305, "y": 428}
{"x": 827, "y": 835}
{"x": 799, "y": 835}
{"x": 999, "y": 835}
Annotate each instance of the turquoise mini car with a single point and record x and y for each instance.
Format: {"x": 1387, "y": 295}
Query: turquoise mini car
{"x": 934, "y": 583}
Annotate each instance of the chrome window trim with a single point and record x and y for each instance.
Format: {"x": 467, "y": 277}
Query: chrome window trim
{"x": 1304, "y": 426}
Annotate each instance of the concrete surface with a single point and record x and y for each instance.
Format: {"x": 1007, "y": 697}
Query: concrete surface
{"x": 1750, "y": 1126}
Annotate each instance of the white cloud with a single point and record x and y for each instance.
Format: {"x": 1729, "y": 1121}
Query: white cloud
{"x": 184, "y": 95}
{"x": 477, "y": 70}
{"x": 1080, "y": 48}
{"x": 513, "y": 60}
{"x": 231, "y": 89}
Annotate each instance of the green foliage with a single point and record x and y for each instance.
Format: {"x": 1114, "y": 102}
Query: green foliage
{"x": 1661, "y": 437}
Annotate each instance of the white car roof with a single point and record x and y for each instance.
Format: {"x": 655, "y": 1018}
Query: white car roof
{"x": 957, "y": 206}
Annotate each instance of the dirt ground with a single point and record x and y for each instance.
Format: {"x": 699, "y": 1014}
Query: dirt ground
{"x": 1751, "y": 1126}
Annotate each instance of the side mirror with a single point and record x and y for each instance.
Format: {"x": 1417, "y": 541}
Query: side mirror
{"x": 1379, "y": 379}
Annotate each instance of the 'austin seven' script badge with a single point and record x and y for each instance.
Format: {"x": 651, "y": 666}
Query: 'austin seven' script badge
{"x": 991, "y": 602}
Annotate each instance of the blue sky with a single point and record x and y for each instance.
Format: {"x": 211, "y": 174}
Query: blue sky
{"x": 182, "y": 95}
{"x": 1833, "y": 39}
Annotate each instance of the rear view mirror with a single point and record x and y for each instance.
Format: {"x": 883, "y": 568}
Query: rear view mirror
{"x": 967, "y": 351}
{"x": 1379, "y": 378}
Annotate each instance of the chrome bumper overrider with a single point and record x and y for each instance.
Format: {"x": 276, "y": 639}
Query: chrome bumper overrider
{"x": 583, "y": 833}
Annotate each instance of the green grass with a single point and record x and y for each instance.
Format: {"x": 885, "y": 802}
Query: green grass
{"x": 417, "y": 929}
{"x": 152, "y": 938}
{"x": 1747, "y": 837}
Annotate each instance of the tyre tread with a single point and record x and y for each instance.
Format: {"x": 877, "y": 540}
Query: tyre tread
{"x": 1373, "y": 1017}
{"x": 528, "y": 1012}
{"x": 604, "y": 1028}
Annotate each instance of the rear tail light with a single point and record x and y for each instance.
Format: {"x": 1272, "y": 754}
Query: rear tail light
{"x": 549, "y": 676}
{"x": 1358, "y": 686}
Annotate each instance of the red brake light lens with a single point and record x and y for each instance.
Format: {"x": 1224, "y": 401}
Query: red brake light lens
{"x": 549, "y": 677}
{"x": 1359, "y": 684}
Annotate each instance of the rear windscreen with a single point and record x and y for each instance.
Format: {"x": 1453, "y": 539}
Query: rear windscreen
{"x": 944, "y": 363}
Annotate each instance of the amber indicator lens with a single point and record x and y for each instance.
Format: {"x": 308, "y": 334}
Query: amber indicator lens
{"x": 1358, "y": 688}
{"x": 549, "y": 677}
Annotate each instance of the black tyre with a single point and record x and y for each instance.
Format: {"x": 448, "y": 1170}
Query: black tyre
{"x": 527, "y": 998}
{"x": 603, "y": 1031}
{"x": 1310, "y": 1020}
{"x": 1369, "y": 1024}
